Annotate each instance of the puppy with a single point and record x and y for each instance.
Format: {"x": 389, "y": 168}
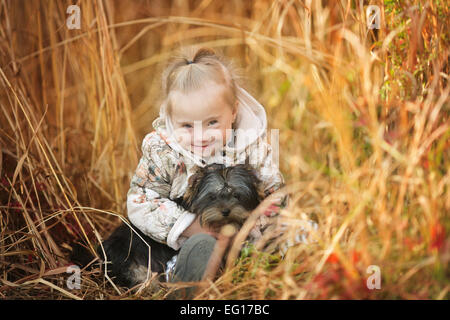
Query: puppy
{"x": 223, "y": 195}
{"x": 219, "y": 195}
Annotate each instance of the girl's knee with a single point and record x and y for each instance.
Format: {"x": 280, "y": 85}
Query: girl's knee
{"x": 193, "y": 257}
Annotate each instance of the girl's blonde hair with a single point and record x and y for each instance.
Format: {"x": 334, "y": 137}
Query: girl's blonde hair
{"x": 193, "y": 67}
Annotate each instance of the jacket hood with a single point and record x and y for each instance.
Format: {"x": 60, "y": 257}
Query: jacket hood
{"x": 250, "y": 125}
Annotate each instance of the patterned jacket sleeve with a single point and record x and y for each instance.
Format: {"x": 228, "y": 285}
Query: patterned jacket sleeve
{"x": 273, "y": 180}
{"x": 267, "y": 170}
{"x": 149, "y": 206}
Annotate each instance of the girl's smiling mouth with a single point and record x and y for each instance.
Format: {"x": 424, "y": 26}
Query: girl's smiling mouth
{"x": 200, "y": 146}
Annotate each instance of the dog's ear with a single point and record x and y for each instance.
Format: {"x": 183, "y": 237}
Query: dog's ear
{"x": 255, "y": 180}
{"x": 261, "y": 192}
{"x": 259, "y": 186}
{"x": 193, "y": 185}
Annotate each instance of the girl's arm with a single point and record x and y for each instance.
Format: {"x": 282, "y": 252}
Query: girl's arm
{"x": 148, "y": 200}
{"x": 260, "y": 157}
{"x": 272, "y": 180}
{"x": 269, "y": 174}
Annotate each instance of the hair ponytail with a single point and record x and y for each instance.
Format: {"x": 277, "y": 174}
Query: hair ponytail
{"x": 203, "y": 52}
{"x": 194, "y": 66}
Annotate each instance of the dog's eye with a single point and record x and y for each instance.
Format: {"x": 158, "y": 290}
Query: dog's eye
{"x": 236, "y": 195}
{"x": 212, "y": 197}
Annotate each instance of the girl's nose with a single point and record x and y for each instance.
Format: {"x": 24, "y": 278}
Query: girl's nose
{"x": 204, "y": 139}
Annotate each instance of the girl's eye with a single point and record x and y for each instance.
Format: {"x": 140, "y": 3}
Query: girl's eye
{"x": 187, "y": 126}
{"x": 212, "y": 122}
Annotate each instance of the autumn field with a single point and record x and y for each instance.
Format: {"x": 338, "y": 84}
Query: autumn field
{"x": 364, "y": 139}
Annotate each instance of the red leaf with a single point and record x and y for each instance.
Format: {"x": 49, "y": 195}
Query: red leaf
{"x": 437, "y": 236}
{"x": 356, "y": 256}
{"x": 333, "y": 258}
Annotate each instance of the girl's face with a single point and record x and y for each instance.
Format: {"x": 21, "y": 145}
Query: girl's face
{"x": 200, "y": 119}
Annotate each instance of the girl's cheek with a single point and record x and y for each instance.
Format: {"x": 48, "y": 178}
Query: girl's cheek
{"x": 214, "y": 135}
{"x": 183, "y": 136}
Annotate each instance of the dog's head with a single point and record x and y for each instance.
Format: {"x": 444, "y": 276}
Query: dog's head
{"x": 223, "y": 195}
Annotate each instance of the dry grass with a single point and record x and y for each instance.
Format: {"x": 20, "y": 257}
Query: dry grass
{"x": 364, "y": 138}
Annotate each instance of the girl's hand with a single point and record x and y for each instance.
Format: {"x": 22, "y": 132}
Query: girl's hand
{"x": 224, "y": 237}
{"x": 272, "y": 210}
{"x": 194, "y": 228}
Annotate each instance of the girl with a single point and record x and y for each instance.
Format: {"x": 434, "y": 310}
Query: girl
{"x": 205, "y": 117}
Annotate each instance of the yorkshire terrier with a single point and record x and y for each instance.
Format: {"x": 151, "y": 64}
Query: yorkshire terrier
{"x": 222, "y": 195}
{"x": 219, "y": 195}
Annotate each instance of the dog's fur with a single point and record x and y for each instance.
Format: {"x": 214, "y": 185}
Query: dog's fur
{"x": 220, "y": 195}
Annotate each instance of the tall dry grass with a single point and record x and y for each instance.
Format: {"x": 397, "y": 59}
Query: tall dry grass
{"x": 364, "y": 138}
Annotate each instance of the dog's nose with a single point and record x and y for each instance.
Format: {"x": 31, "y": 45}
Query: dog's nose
{"x": 226, "y": 212}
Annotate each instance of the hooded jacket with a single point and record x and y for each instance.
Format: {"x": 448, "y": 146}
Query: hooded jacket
{"x": 164, "y": 169}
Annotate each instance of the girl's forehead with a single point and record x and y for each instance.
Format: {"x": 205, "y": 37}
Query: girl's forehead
{"x": 198, "y": 104}
{"x": 208, "y": 91}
